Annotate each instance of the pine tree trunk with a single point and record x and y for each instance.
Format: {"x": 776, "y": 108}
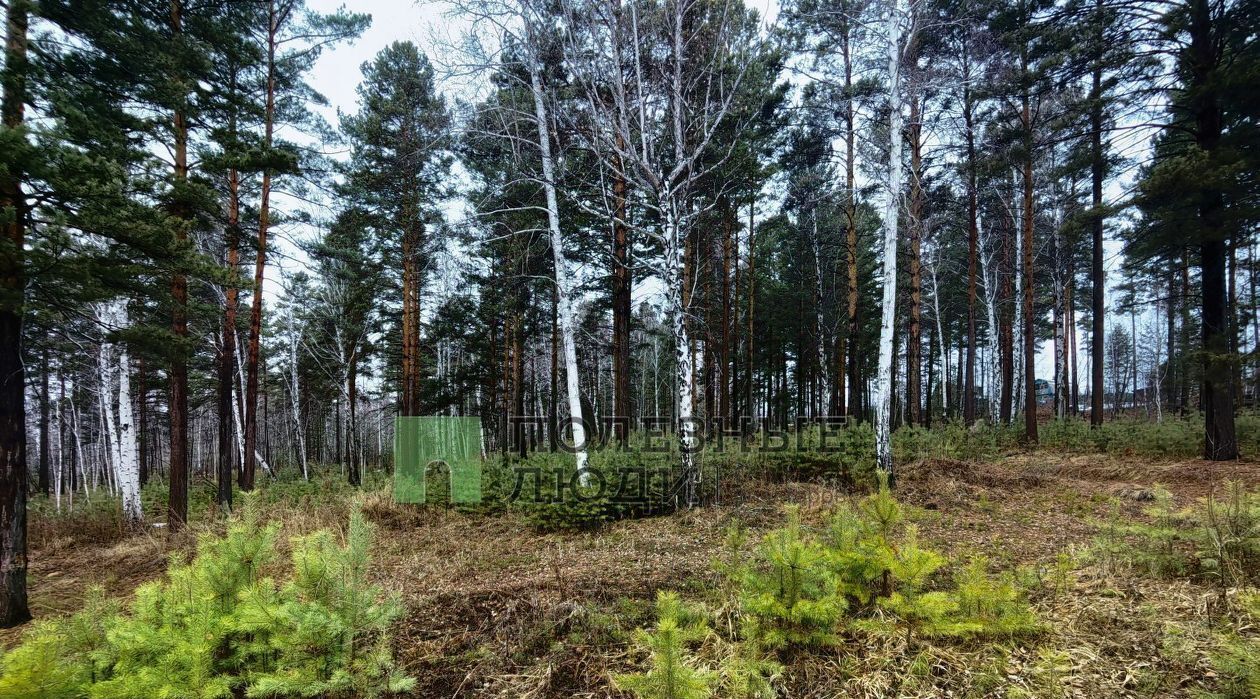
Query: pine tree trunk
{"x": 1098, "y": 276}
{"x": 1220, "y": 439}
{"x": 553, "y": 418}
{"x": 1255, "y": 319}
{"x": 752, "y": 307}
{"x": 820, "y": 327}
{"x": 13, "y": 604}
{"x": 1184, "y": 332}
{"x": 177, "y": 508}
{"x": 1006, "y": 349}
{"x": 1029, "y": 364}
{"x": 973, "y": 233}
{"x": 853, "y": 409}
{"x": 724, "y": 363}
{"x": 914, "y": 229}
{"x": 410, "y": 375}
{"x": 1235, "y": 376}
{"x": 518, "y": 387}
{"x": 249, "y": 465}
{"x": 621, "y": 302}
{"x": 227, "y": 354}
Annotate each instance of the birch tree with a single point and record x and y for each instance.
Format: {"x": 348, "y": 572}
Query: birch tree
{"x": 896, "y": 39}
{"x": 115, "y": 370}
{"x": 510, "y": 39}
{"x": 659, "y": 82}
{"x": 989, "y": 282}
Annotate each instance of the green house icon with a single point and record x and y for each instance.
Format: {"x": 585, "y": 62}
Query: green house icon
{"x": 431, "y": 444}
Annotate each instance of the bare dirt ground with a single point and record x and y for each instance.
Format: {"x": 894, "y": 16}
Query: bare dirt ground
{"x": 498, "y": 610}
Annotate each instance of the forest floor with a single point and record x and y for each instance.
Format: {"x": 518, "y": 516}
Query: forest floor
{"x": 495, "y": 609}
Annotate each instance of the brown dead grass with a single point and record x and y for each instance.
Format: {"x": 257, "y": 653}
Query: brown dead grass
{"x": 495, "y": 609}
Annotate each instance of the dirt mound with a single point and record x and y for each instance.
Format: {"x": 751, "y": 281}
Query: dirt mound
{"x": 1188, "y": 478}
{"x": 983, "y": 474}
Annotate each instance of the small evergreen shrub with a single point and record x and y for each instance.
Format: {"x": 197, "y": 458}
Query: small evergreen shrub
{"x": 858, "y": 555}
{"x": 989, "y": 606}
{"x": 217, "y": 626}
{"x": 916, "y": 611}
{"x": 673, "y": 672}
{"x": 789, "y": 593}
{"x": 545, "y": 489}
{"x": 747, "y": 674}
{"x": 55, "y": 659}
{"x": 1173, "y": 437}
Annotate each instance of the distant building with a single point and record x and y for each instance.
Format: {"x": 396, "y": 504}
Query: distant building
{"x": 1045, "y": 393}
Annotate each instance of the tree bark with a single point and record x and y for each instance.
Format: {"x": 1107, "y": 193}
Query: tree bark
{"x": 752, "y": 306}
{"x": 250, "y": 460}
{"x": 914, "y": 230}
{"x": 354, "y": 468}
{"x": 45, "y": 486}
{"x": 128, "y": 456}
{"x": 564, "y": 302}
{"x": 850, "y": 350}
{"x": 621, "y": 302}
{"x": 1029, "y": 320}
{"x": 1220, "y": 439}
{"x": 973, "y": 212}
{"x": 884, "y": 379}
{"x": 177, "y": 508}
{"x": 227, "y": 354}
{"x": 13, "y": 605}
{"x": 1098, "y": 276}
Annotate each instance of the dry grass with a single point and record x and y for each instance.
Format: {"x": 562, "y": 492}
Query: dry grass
{"x": 496, "y": 609}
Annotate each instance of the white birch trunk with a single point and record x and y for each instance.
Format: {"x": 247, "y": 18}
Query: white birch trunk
{"x": 564, "y": 302}
{"x": 105, "y": 396}
{"x": 129, "y": 452}
{"x": 57, "y": 429}
{"x": 888, "y": 306}
{"x": 237, "y": 415}
{"x": 295, "y": 394}
{"x": 78, "y": 450}
{"x": 677, "y": 312}
{"x": 993, "y": 372}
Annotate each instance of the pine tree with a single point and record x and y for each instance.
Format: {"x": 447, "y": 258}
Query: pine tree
{"x": 13, "y": 216}
{"x": 216, "y": 626}
{"x": 672, "y": 675}
{"x": 292, "y": 39}
{"x": 790, "y": 594}
{"x": 399, "y": 160}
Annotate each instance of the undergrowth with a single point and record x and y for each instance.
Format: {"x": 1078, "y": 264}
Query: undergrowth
{"x": 805, "y": 591}
{"x": 221, "y": 625}
{"x": 1214, "y": 542}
